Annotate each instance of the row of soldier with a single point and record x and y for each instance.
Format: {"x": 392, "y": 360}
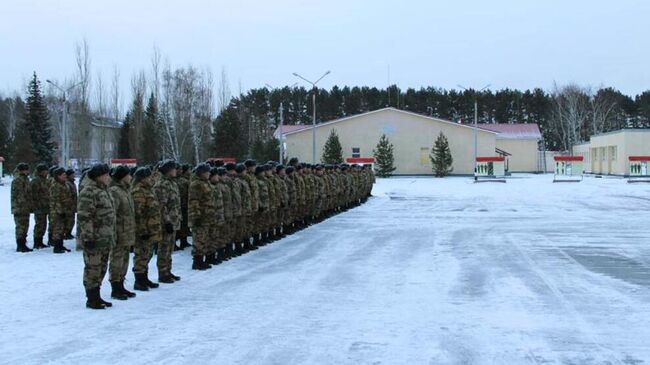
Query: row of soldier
{"x": 230, "y": 209}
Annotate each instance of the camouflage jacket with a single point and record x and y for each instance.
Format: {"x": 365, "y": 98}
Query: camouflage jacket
{"x": 147, "y": 212}
{"x": 96, "y": 216}
{"x": 283, "y": 192}
{"x": 291, "y": 190}
{"x": 247, "y": 205}
{"x": 170, "y": 201}
{"x": 21, "y": 202}
{"x": 201, "y": 205}
{"x": 263, "y": 188}
{"x": 235, "y": 194}
{"x": 125, "y": 212}
{"x": 254, "y": 189}
{"x": 217, "y": 194}
{"x": 183, "y": 183}
{"x": 226, "y": 193}
{"x": 73, "y": 192}
{"x": 40, "y": 189}
{"x": 60, "y": 198}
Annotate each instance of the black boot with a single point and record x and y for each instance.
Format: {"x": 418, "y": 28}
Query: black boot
{"x": 21, "y": 245}
{"x": 140, "y": 282}
{"x": 116, "y": 291}
{"x": 38, "y": 243}
{"x": 184, "y": 243}
{"x": 206, "y": 263}
{"x": 175, "y": 277}
{"x": 197, "y": 263}
{"x": 92, "y": 300}
{"x": 107, "y": 304}
{"x": 166, "y": 279}
{"x": 150, "y": 283}
{"x": 126, "y": 292}
{"x": 58, "y": 246}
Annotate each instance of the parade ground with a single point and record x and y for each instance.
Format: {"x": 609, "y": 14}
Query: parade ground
{"x": 428, "y": 271}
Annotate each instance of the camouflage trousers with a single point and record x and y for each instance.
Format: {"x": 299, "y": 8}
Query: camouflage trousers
{"x": 119, "y": 262}
{"x": 70, "y": 222}
{"x": 184, "y": 232}
{"x": 241, "y": 228}
{"x": 164, "y": 256}
{"x": 40, "y": 225}
{"x": 143, "y": 251}
{"x": 201, "y": 240}
{"x": 95, "y": 265}
{"x": 22, "y": 226}
{"x": 58, "y": 226}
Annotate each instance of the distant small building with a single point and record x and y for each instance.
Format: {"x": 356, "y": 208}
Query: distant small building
{"x": 609, "y": 153}
{"x": 412, "y": 136}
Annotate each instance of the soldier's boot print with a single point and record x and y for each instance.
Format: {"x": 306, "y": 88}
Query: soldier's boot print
{"x": 92, "y": 299}
{"x": 116, "y": 291}
{"x": 21, "y": 245}
{"x": 126, "y": 292}
{"x": 140, "y": 283}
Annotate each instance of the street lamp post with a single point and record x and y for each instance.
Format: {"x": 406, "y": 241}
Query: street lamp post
{"x": 313, "y": 128}
{"x": 475, "y": 124}
{"x": 64, "y": 123}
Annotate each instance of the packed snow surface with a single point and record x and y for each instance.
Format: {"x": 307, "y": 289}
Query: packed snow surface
{"x": 428, "y": 271}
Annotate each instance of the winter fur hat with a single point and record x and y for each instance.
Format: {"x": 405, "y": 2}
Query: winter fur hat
{"x": 240, "y": 168}
{"x": 142, "y": 173}
{"x": 230, "y": 166}
{"x": 221, "y": 171}
{"x": 41, "y": 167}
{"x": 166, "y": 166}
{"x": 120, "y": 172}
{"x": 22, "y": 167}
{"x": 58, "y": 172}
{"x": 250, "y": 163}
{"x": 201, "y": 169}
{"x": 98, "y": 170}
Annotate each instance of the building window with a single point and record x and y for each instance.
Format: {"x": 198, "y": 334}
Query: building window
{"x": 603, "y": 154}
{"x": 424, "y": 156}
{"x": 612, "y": 153}
{"x": 356, "y": 152}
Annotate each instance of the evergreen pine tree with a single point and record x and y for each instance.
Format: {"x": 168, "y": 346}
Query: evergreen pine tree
{"x": 36, "y": 121}
{"x": 149, "y": 143}
{"x": 384, "y": 158}
{"x": 332, "y": 150}
{"x": 440, "y": 156}
{"x": 228, "y": 137}
{"x": 123, "y": 146}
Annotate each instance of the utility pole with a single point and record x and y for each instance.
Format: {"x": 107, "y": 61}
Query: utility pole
{"x": 65, "y": 140}
{"x": 281, "y": 125}
{"x": 313, "y": 128}
{"x": 475, "y": 123}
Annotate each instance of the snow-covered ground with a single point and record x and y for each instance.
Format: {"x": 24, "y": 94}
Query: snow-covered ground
{"x": 429, "y": 271}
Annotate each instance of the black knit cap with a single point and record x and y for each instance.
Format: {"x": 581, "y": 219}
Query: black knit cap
{"x": 221, "y": 171}
{"x": 166, "y": 166}
{"x": 240, "y": 168}
{"x": 120, "y": 172}
{"x": 218, "y": 163}
{"x": 69, "y": 172}
{"x": 230, "y": 166}
{"x": 142, "y": 173}
{"x": 201, "y": 169}
{"x": 289, "y": 170}
{"x": 22, "y": 167}
{"x": 41, "y": 167}
{"x": 279, "y": 168}
{"x": 250, "y": 163}
{"x": 259, "y": 170}
{"x": 293, "y": 161}
{"x": 98, "y": 170}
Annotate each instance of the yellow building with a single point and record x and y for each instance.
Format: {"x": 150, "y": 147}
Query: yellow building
{"x": 411, "y": 134}
{"x": 609, "y": 153}
{"x": 519, "y": 142}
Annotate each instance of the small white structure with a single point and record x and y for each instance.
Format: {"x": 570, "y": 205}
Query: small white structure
{"x": 568, "y": 168}
{"x": 490, "y": 169}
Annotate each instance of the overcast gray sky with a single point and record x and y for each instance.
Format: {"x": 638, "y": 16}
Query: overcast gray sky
{"x": 517, "y": 44}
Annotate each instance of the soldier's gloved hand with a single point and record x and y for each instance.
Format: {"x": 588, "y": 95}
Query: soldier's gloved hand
{"x": 89, "y": 245}
{"x": 169, "y": 228}
{"x": 145, "y": 237}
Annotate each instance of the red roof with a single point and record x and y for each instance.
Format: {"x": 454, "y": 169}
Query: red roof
{"x": 490, "y": 159}
{"x": 568, "y": 158}
{"x": 514, "y": 131}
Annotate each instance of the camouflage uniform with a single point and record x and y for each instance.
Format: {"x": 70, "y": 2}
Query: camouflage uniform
{"x": 201, "y": 212}
{"x": 251, "y": 224}
{"x": 40, "y": 189}
{"x": 125, "y": 231}
{"x": 237, "y": 208}
{"x": 223, "y": 234}
{"x": 170, "y": 209}
{"x": 260, "y": 219}
{"x": 96, "y": 219}
{"x": 247, "y": 207}
{"x": 60, "y": 201}
{"x": 73, "y": 208}
{"x": 183, "y": 183}
{"x": 21, "y": 205}
{"x": 148, "y": 225}
{"x": 218, "y": 219}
